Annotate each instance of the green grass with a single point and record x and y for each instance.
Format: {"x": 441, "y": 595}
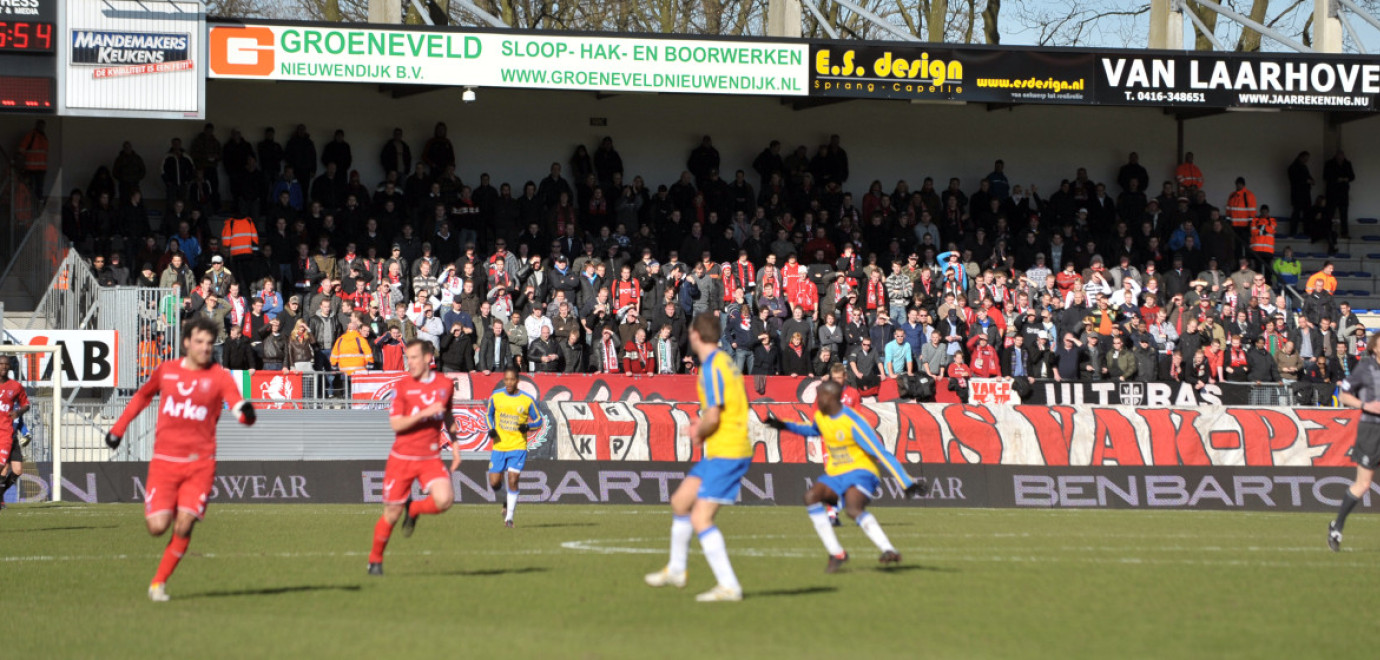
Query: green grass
{"x": 289, "y": 580}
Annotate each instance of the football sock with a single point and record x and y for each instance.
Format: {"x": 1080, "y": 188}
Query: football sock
{"x": 873, "y": 530}
{"x": 680, "y": 543}
{"x": 1348, "y": 503}
{"x": 5, "y": 483}
{"x": 712, "y": 542}
{"x": 177, "y": 547}
{"x": 424, "y": 507}
{"x": 825, "y": 529}
{"x": 382, "y": 530}
{"x": 512, "y": 503}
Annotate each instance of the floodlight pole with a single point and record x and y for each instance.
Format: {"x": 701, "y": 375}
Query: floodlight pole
{"x": 1263, "y": 29}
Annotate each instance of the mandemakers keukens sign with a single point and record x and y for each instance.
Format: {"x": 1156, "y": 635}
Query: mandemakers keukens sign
{"x": 507, "y": 59}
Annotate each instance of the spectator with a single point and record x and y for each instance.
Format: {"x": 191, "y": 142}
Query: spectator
{"x": 606, "y": 352}
{"x": 543, "y": 353}
{"x": 1325, "y": 277}
{"x": 301, "y": 352}
{"x": 573, "y": 353}
{"x": 237, "y": 352}
{"x": 274, "y": 345}
{"x": 351, "y": 353}
{"x": 1337, "y": 176}
{"x": 863, "y": 369}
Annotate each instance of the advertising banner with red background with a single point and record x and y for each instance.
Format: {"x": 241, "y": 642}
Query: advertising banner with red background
{"x": 987, "y": 435}
{"x": 472, "y": 392}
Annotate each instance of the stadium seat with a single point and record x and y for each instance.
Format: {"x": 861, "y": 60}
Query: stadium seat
{"x": 1368, "y": 221}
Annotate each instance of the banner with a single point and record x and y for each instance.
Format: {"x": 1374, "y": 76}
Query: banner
{"x": 969, "y": 75}
{"x": 984, "y": 74}
{"x": 126, "y": 58}
{"x": 560, "y": 482}
{"x": 992, "y": 392}
{"x": 1273, "y": 80}
{"x": 475, "y": 386}
{"x": 89, "y": 357}
{"x": 989, "y": 435}
{"x": 605, "y": 63}
{"x": 1153, "y": 395}
{"x": 281, "y": 386}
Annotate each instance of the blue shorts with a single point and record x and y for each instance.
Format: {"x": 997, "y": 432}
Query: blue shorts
{"x": 504, "y": 461}
{"x": 720, "y": 478}
{"x": 867, "y": 483}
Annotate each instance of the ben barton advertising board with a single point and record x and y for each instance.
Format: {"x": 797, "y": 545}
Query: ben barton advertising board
{"x": 506, "y": 59}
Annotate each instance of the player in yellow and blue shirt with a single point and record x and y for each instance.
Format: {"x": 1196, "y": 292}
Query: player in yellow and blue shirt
{"x": 856, "y": 458}
{"x": 715, "y": 480}
{"x": 512, "y": 413}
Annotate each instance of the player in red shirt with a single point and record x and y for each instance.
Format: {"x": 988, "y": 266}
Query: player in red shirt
{"x": 14, "y": 402}
{"x": 420, "y": 417}
{"x": 191, "y": 391}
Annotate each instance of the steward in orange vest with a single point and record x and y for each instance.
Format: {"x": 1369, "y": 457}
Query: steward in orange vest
{"x": 1188, "y": 174}
{"x": 1241, "y": 206}
{"x": 1263, "y": 234}
{"x": 239, "y": 236}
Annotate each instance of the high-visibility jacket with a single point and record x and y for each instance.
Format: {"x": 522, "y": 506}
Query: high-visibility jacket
{"x": 239, "y": 236}
{"x": 1189, "y": 175}
{"x": 1263, "y": 235}
{"x": 34, "y": 150}
{"x": 1329, "y": 282}
{"x": 351, "y": 353}
{"x": 1241, "y": 208}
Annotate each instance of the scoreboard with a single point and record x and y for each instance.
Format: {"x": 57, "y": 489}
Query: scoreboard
{"x": 28, "y": 56}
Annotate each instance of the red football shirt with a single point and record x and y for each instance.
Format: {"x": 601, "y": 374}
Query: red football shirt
{"x": 190, "y": 401}
{"x": 423, "y": 441}
{"x": 850, "y": 397}
{"x": 12, "y": 396}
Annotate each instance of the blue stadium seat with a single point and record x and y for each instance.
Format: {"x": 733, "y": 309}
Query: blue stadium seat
{"x": 1368, "y": 221}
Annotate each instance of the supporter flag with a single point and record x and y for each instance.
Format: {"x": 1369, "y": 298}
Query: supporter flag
{"x": 279, "y": 386}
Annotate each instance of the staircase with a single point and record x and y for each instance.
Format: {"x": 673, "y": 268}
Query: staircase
{"x": 1357, "y": 267}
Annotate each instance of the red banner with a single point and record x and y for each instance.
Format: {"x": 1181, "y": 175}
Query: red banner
{"x": 378, "y": 385}
{"x": 989, "y": 435}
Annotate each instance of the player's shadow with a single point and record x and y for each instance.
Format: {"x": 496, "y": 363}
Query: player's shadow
{"x": 493, "y": 572}
{"x": 274, "y": 591}
{"x": 915, "y": 567}
{"x": 59, "y": 529}
{"x": 802, "y": 591}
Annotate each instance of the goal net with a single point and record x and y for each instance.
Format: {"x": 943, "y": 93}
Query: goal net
{"x": 39, "y": 439}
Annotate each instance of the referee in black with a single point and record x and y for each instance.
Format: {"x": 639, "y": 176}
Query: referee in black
{"x": 1360, "y": 390}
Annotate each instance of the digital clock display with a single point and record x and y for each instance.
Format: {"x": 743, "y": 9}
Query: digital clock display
{"x": 26, "y": 36}
{"x": 23, "y": 94}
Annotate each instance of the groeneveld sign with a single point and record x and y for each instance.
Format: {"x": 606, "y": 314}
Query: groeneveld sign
{"x": 603, "y": 63}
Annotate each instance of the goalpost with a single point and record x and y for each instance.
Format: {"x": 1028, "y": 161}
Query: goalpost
{"x": 55, "y": 426}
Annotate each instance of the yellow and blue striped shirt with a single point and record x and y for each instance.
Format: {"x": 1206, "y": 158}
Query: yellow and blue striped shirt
{"x": 852, "y": 444}
{"x": 720, "y": 385}
{"x": 506, "y": 412}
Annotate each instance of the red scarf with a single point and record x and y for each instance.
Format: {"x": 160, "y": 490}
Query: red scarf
{"x": 876, "y": 293}
{"x": 610, "y": 356}
{"x": 1238, "y": 357}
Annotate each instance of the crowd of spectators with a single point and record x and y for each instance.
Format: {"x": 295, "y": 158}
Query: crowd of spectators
{"x": 587, "y": 269}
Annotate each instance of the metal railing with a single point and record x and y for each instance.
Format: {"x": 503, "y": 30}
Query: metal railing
{"x": 84, "y": 425}
{"x": 69, "y": 301}
{"x": 146, "y": 320}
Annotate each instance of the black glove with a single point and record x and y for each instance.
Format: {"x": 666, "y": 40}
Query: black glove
{"x": 247, "y": 414}
{"x": 775, "y": 423}
{"x": 493, "y": 434}
{"x": 522, "y": 428}
{"x": 915, "y": 489}
{"x": 112, "y": 440}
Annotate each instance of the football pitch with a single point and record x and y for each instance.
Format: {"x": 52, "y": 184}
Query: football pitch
{"x": 289, "y": 580}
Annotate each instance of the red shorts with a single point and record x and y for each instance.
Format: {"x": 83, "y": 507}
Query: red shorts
{"x": 398, "y": 476}
{"x": 6, "y": 445}
{"x": 174, "y": 485}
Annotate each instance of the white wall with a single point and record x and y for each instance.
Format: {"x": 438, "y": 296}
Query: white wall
{"x": 515, "y": 135}
{"x": 1361, "y": 141}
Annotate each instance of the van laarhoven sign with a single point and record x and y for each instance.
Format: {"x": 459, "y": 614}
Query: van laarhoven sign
{"x": 338, "y": 53}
